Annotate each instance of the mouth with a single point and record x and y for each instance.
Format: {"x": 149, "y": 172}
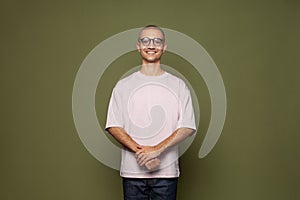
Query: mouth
{"x": 150, "y": 52}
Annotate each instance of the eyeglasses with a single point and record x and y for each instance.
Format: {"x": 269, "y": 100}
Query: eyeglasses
{"x": 156, "y": 41}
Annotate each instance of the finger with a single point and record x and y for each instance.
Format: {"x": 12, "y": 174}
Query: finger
{"x": 140, "y": 160}
{"x": 145, "y": 160}
{"x": 142, "y": 150}
{"x": 139, "y": 156}
{"x": 158, "y": 161}
{"x": 149, "y": 165}
{"x": 139, "y": 152}
{"x": 152, "y": 164}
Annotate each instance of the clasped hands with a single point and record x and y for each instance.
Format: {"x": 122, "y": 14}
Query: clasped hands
{"x": 147, "y": 156}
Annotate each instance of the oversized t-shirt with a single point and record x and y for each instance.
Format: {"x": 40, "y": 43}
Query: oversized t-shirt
{"x": 150, "y": 109}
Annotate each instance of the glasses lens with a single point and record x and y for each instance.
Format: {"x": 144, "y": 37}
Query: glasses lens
{"x": 157, "y": 41}
{"x": 145, "y": 41}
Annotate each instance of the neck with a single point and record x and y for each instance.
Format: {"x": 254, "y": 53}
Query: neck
{"x": 151, "y": 69}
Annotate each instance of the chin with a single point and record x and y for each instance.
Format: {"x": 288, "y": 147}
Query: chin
{"x": 151, "y": 60}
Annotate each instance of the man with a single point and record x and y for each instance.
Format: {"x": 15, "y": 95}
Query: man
{"x": 150, "y": 113}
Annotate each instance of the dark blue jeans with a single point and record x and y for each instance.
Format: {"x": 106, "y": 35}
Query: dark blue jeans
{"x": 150, "y": 189}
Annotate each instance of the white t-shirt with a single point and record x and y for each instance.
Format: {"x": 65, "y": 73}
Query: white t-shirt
{"x": 150, "y": 109}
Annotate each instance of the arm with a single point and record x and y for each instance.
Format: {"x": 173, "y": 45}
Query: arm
{"x": 121, "y": 136}
{"x": 146, "y": 153}
{"x": 114, "y": 124}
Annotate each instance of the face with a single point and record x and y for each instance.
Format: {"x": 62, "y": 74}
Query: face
{"x": 151, "y": 50}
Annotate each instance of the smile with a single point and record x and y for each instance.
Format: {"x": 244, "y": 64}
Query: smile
{"x": 150, "y": 52}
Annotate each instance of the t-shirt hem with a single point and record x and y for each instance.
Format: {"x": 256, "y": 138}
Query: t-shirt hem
{"x": 188, "y": 126}
{"x": 112, "y": 125}
{"x": 175, "y": 174}
{"x": 161, "y": 176}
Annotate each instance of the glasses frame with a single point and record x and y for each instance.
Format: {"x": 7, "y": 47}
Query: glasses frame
{"x": 152, "y": 39}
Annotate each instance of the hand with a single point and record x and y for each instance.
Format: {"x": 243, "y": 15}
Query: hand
{"x": 151, "y": 164}
{"x": 146, "y": 153}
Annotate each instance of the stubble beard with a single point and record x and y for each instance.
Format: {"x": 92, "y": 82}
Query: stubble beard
{"x": 148, "y": 59}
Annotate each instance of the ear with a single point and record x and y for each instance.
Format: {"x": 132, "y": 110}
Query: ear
{"x": 165, "y": 47}
{"x": 138, "y": 47}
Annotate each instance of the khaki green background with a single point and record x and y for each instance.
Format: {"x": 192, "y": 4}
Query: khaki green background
{"x": 255, "y": 45}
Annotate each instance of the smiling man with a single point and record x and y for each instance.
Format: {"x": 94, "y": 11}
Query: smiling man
{"x": 150, "y": 113}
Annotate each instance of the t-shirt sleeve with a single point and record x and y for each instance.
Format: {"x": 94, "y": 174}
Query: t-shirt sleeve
{"x": 115, "y": 111}
{"x": 186, "y": 111}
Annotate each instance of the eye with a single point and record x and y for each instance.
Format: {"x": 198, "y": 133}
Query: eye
{"x": 145, "y": 41}
{"x": 157, "y": 41}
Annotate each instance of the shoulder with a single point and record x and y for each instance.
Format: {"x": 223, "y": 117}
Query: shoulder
{"x": 124, "y": 82}
{"x": 176, "y": 80}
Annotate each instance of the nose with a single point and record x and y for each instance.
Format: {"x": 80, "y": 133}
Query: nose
{"x": 151, "y": 45}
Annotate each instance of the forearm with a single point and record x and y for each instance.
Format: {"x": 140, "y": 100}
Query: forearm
{"x": 176, "y": 137}
{"x": 122, "y": 137}
{"x": 146, "y": 153}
